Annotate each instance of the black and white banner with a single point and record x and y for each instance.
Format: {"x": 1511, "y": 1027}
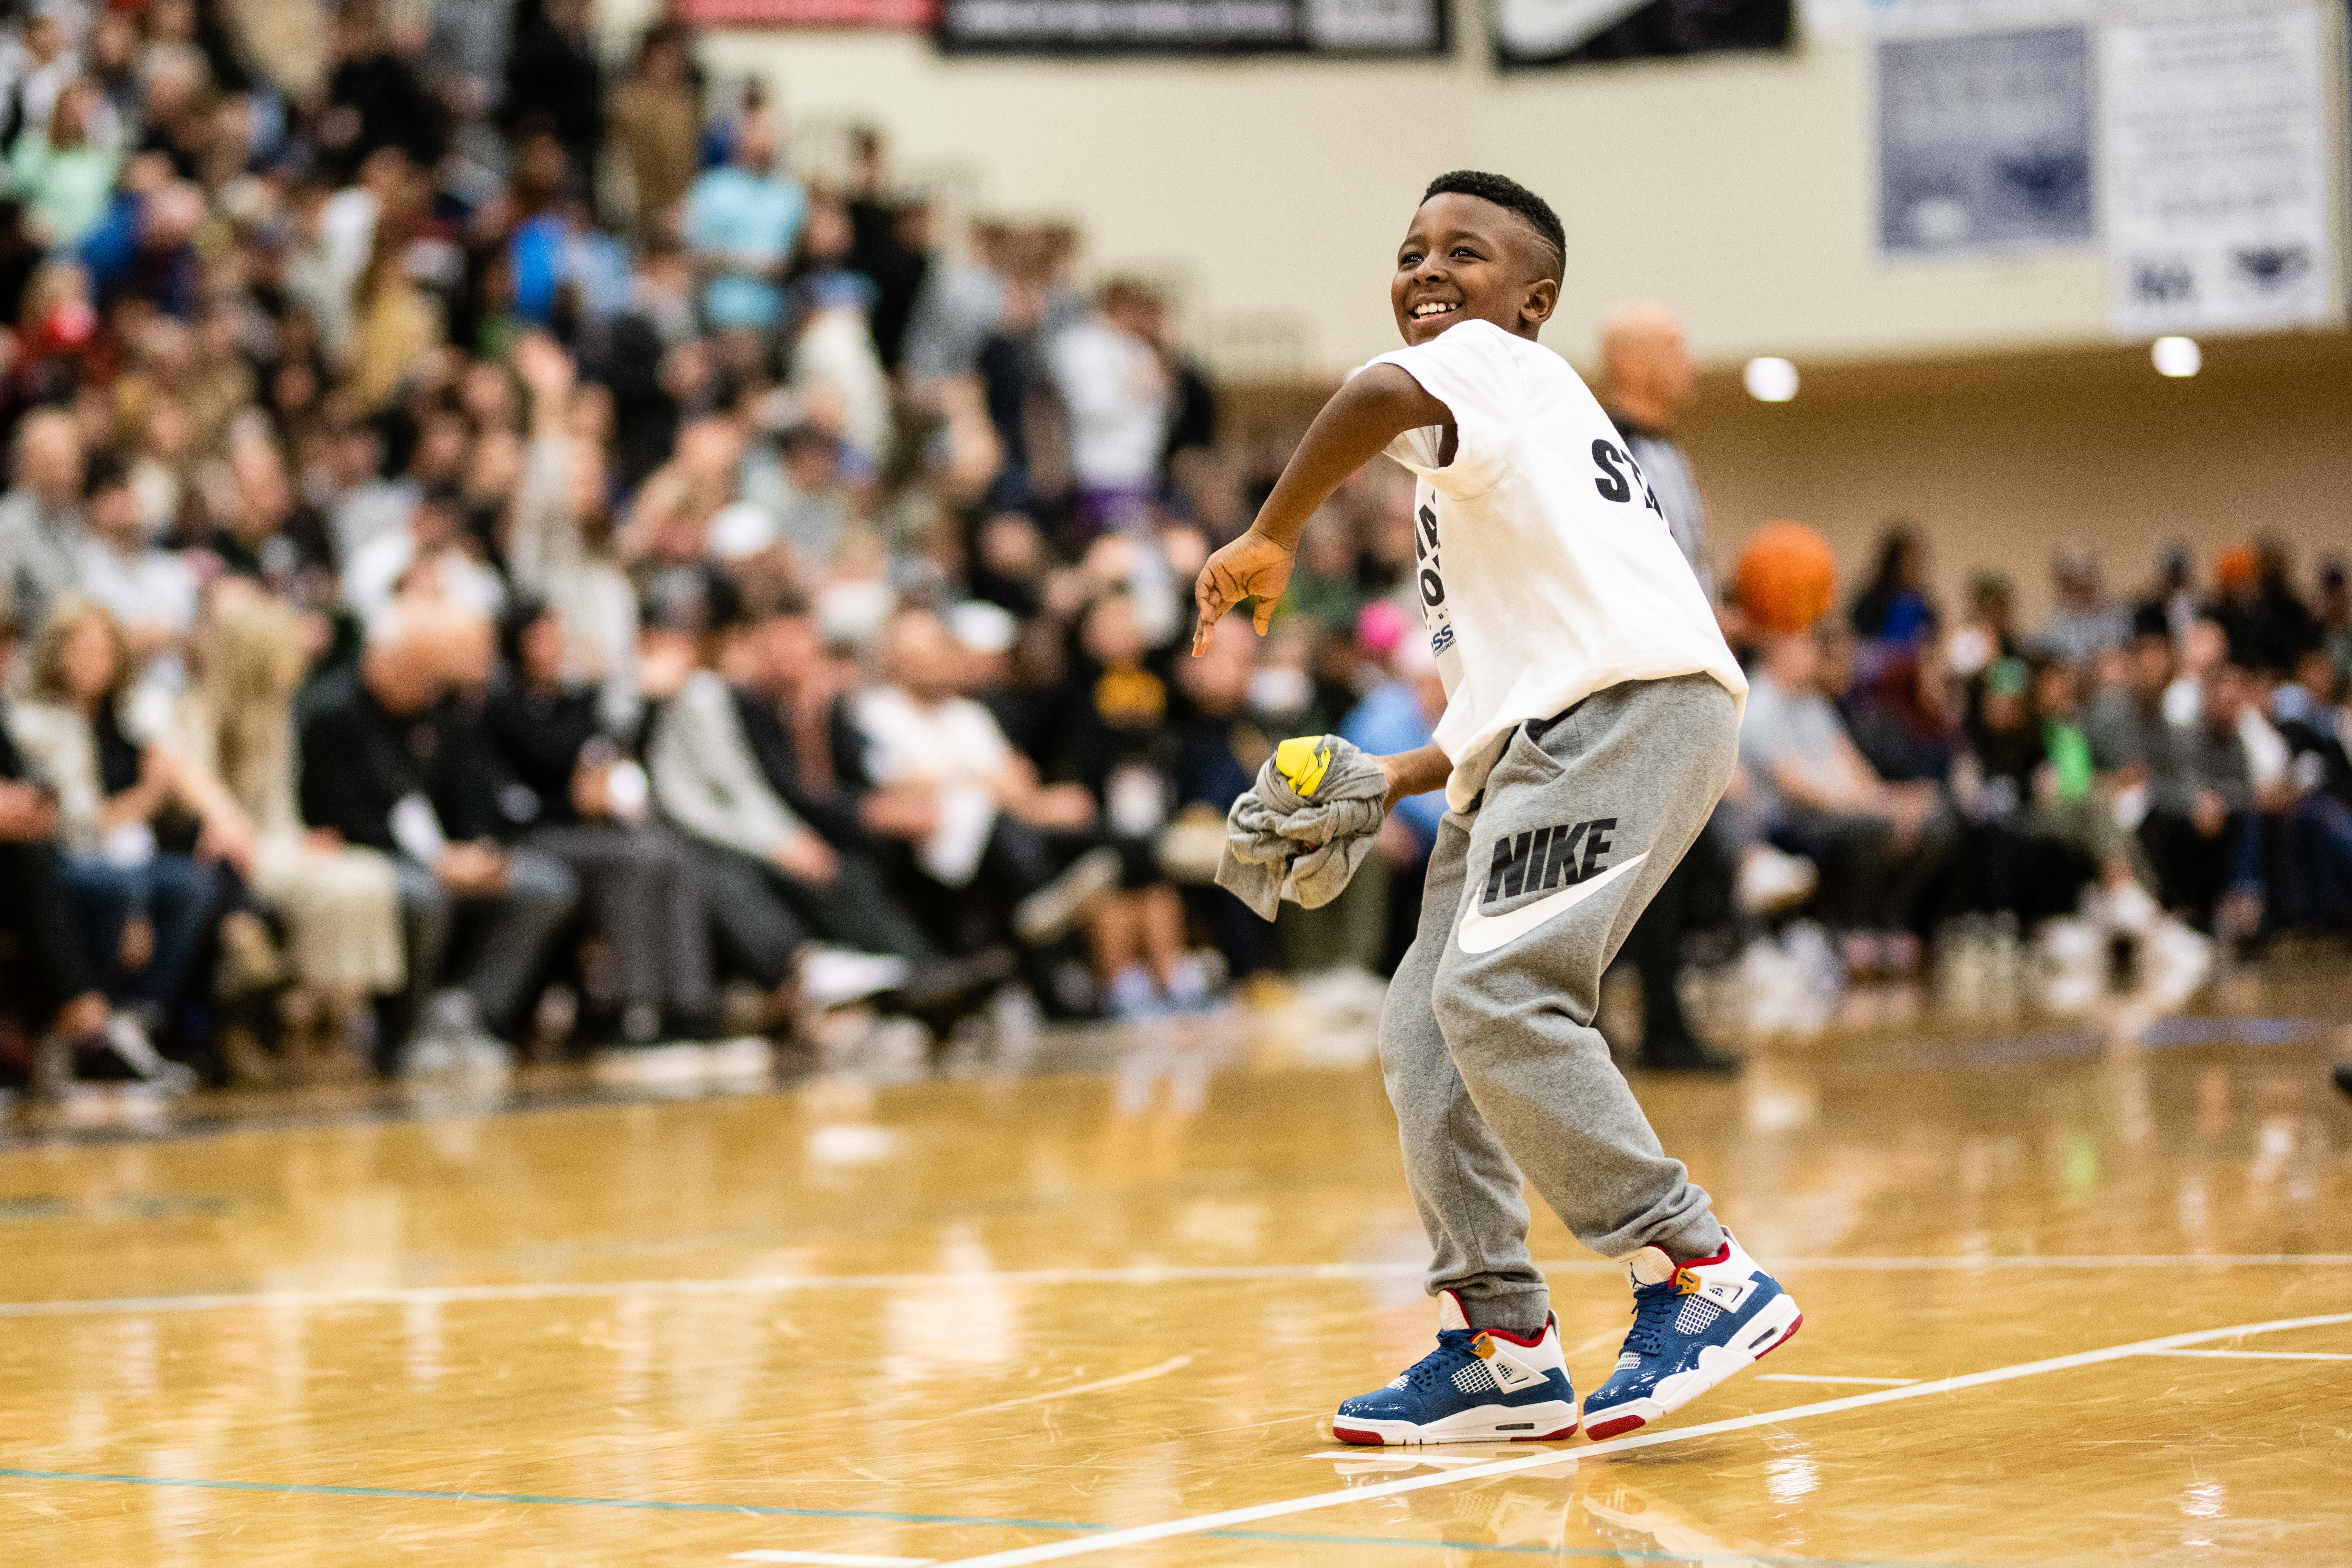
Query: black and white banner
{"x": 1339, "y": 27}
{"x": 2217, "y": 209}
{"x": 1984, "y": 141}
{"x": 1588, "y": 32}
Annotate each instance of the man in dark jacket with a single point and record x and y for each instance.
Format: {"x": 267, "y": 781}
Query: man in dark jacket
{"x": 395, "y": 761}
{"x": 567, "y": 787}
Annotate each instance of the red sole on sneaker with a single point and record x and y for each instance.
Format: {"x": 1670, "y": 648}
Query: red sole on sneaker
{"x": 1602, "y": 1431}
{"x": 1564, "y": 1433}
{"x": 1783, "y": 1340}
{"x": 1354, "y": 1434}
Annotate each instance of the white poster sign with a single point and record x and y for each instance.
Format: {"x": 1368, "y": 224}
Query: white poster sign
{"x": 1984, "y": 142}
{"x": 2216, "y": 170}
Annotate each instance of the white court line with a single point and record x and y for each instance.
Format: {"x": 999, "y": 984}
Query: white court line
{"x": 833, "y": 1559}
{"x": 1149, "y": 1274}
{"x": 1113, "y": 1540}
{"x": 2261, "y": 1355}
{"x": 1436, "y": 1461}
{"x": 1808, "y": 1377}
{"x": 1173, "y": 1363}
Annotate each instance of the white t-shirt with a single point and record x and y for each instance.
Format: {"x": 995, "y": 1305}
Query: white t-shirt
{"x": 1545, "y": 566}
{"x": 957, "y": 747}
{"x": 1117, "y": 397}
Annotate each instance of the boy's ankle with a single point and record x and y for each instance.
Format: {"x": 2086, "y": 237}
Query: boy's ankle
{"x": 1509, "y": 1315}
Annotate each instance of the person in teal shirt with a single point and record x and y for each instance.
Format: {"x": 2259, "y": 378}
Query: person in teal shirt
{"x": 64, "y": 177}
{"x": 742, "y": 219}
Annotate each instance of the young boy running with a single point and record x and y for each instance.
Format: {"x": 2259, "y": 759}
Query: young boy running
{"x": 1592, "y": 720}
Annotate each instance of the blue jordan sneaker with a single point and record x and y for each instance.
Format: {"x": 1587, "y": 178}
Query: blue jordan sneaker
{"x": 1693, "y": 1327}
{"x": 1479, "y": 1385}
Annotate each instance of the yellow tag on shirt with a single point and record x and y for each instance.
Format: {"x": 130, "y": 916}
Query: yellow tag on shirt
{"x": 1302, "y": 763}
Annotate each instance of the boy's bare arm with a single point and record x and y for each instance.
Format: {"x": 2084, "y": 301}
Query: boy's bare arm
{"x": 1416, "y": 772}
{"x": 1363, "y": 416}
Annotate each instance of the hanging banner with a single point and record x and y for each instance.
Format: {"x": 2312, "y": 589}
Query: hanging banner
{"x": 1984, "y": 142}
{"x": 811, "y": 15}
{"x": 1590, "y": 32}
{"x": 1339, "y": 28}
{"x": 2217, "y": 204}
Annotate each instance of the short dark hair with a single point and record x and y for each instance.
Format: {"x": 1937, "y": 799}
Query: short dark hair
{"x": 1506, "y": 192}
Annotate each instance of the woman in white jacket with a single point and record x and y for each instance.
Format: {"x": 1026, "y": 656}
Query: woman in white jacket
{"x": 232, "y": 752}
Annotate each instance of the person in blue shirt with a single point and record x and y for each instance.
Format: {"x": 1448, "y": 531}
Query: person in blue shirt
{"x": 1399, "y": 715}
{"x": 742, "y": 220}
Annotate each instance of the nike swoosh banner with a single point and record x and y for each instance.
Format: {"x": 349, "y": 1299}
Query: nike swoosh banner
{"x": 1347, "y": 28}
{"x": 1533, "y": 32}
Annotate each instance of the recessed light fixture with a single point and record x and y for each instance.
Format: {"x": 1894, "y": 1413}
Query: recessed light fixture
{"x": 1770, "y": 380}
{"x": 2177, "y": 356}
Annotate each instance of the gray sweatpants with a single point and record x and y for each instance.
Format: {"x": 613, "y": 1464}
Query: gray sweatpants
{"x": 1488, "y": 1043}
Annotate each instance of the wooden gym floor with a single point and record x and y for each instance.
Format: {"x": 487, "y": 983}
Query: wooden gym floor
{"x": 2073, "y": 1295}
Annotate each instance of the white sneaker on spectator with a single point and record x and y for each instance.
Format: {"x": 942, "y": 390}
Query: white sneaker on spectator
{"x": 452, "y": 1041}
{"x": 1055, "y": 906}
{"x": 2127, "y": 906}
{"x": 2174, "y": 961}
{"x": 746, "y": 1058}
{"x": 1770, "y": 880}
{"x": 837, "y": 976}
{"x": 131, "y": 1048}
{"x": 1133, "y": 995}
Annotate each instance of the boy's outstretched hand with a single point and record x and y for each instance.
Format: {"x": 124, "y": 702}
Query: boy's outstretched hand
{"x": 1253, "y": 566}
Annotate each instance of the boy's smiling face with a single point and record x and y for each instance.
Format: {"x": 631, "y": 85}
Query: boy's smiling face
{"x": 1466, "y": 257}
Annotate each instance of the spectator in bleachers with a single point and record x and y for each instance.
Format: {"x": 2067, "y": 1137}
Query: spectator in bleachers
{"x": 987, "y": 848}
{"x": 2127, "y": 716}
{"x": 40, "y": 517}
{"x": 560, "y": 545}
{"x": 2082, "y": 624}
{"x": 797, "y": 899}
{"x": 64, "y": 168}
{"x": 656, "y": 115}
{"x": 1115, "y": 739}
{"x": 432, "y": 557}
{"x": 393, "y": 760}
{"x": 2266, "y": 621}
{"x": 1902, "y": 720}
{"x": 2203, "y": 827}
{"x": 1895, "y": 606}
{"x": 1399, "y": 715}
{"x": 2025, "y": 766}
{"x": 150, "y": 591}
{"x": 962, "y": 301}
{"x": 569, "y": 788}
{"x": 1877, "y": 845}
{"x": 1117, "y": 389}
{"x": 1988, "y": 631}
{"x": 232, "y": 745}
{"x": 2306, "y": 711}
{"x": 46, "y": 966}
{"x": 140, "y": 901}
{"x": 742, "y": 220}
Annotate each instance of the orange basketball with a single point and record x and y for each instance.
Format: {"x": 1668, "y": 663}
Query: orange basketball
{"x": 1788, "y": 576}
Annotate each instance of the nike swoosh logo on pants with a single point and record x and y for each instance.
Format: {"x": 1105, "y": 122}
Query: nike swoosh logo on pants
{"x": 1484, "y": 933}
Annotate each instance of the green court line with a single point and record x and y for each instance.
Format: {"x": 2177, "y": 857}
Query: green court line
{"x": 772, "y": 1510}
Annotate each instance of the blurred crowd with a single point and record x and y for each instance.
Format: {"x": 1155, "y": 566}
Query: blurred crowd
{"x": 495, "y": 559}
{"x": 2120, "y": 787}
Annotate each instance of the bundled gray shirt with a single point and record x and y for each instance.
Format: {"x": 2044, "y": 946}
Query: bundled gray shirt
{"x": 1302, "y": 830}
